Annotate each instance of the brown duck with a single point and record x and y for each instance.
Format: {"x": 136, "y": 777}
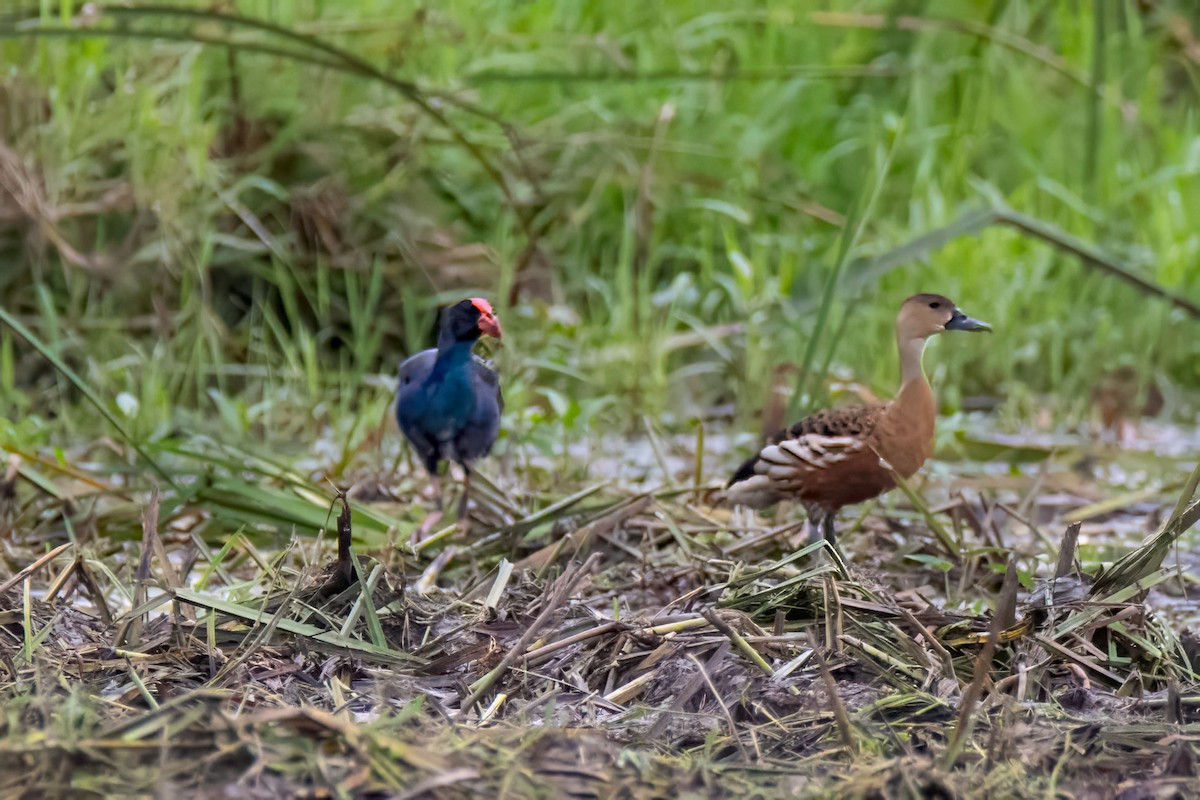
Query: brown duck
{"x": 847, "y": 455}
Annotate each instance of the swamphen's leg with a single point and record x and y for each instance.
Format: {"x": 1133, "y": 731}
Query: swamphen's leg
{"x": 436, "y": 515}
{"x": 436, "y": 480}
{"x": 464, "y": 514}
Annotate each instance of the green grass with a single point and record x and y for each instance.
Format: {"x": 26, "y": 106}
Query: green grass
{"x": 251, "y": 234}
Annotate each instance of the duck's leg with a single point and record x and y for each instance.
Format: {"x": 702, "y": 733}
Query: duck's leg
{"x": 837, "y": 555}
{"x": 820, "y": 526}
{"x": 815, "y": 516}
{"x": 827, "y": 528}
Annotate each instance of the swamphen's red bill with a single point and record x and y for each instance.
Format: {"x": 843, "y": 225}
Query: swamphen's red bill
{"x": 488, "y": 323}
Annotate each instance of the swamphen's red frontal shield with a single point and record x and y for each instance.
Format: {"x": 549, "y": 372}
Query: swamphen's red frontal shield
{"x": 449, "y": 401}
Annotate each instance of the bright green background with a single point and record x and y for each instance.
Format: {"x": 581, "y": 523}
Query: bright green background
{"x": 254, "y": 238}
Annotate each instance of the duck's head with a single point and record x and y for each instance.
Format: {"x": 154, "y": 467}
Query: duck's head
{"x": 924, "y": 315}
{"x": 469, "y": 319}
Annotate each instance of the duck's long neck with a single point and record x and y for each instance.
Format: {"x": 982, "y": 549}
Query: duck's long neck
{"x": 908, "y": 427}
{"x": 910, "y": 361}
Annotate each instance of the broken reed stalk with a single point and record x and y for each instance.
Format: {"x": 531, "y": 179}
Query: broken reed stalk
{"x": 712, "y": 689}
{"x": 564, "y": 589}
{"x": 33, "y": 567}
{"x": 840, "y": 714}
{"x": 131, "y": 632}
{"x": 1066, "y": 553}
{"x": 919, "y": 629}
{"x": 345, "y": 564}
{"x": 916, "y": 673}
{"x": 689, "y": 689}
{"x": 1006, "y": 606}
{"x": 542, "y": 653}
{"x": 724, "y": 627}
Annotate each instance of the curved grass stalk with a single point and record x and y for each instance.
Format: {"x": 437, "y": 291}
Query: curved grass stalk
{"x": 79, "y": 383}
{"x": 13, "y": 26}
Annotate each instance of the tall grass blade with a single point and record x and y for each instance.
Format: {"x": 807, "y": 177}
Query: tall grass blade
{"x": 1148, "y": 557}
{"x": 859, "y": 215}
{"x": 84, "y": 389}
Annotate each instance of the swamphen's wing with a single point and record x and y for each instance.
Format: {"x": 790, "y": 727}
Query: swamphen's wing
{"x": 477, "y": 437}
{"x": 413, "y": 372}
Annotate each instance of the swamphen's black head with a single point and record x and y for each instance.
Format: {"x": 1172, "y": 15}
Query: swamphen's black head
{"x": 467, "y": 320}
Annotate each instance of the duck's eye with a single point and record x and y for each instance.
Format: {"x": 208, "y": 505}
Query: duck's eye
{"x": 935, "y": 305}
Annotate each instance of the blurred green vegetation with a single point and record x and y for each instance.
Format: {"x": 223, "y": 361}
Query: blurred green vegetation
{"x": 229, "y": 226}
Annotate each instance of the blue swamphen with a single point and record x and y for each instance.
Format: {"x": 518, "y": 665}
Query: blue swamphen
{"x": 449, "y": 401}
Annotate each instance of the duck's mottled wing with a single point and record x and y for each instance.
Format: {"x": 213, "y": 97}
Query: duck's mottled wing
{"x": 814, "y": 443}
{"x": 849, "y": 421}
{"x": 788, "y": 461}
